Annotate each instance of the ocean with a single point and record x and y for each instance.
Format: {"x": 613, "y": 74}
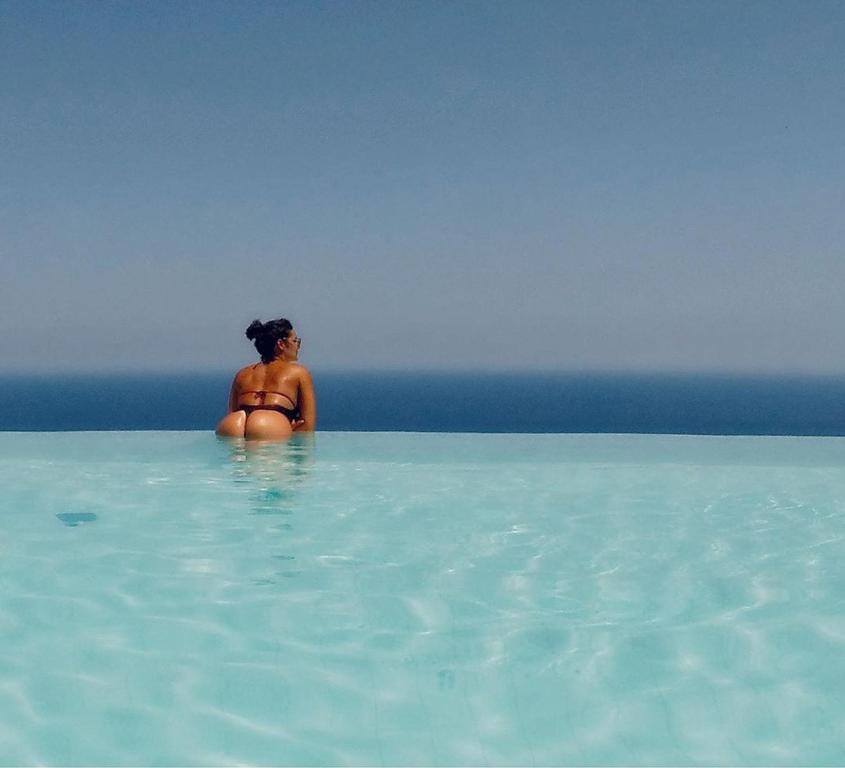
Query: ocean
{"x": 484, "y": 402}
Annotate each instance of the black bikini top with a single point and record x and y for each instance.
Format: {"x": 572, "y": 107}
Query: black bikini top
{"x": 290, "y": 413}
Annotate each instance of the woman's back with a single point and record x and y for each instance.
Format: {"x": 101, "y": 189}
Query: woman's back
{"x": 268, "y": 384}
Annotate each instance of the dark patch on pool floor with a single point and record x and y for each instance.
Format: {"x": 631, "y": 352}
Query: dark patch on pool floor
{"x": 72, "y": 519}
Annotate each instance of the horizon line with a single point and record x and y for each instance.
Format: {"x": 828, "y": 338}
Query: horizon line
{"x": 430, "y": 370}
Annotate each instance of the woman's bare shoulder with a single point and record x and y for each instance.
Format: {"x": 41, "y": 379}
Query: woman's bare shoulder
{"x": 244, "y": 372}
{"x": 300, "y": 371}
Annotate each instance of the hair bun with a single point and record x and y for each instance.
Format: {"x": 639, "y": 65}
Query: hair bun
{"x": 255, "y": 328}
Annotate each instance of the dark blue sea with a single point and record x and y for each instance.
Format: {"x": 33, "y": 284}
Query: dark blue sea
{"x": 447, "y": 402}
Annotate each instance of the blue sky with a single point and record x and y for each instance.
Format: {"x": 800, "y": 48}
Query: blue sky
{"x": 648, "y": 186}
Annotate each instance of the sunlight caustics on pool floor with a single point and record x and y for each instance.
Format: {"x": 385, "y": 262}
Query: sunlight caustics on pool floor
{"x": 410, "y": 599}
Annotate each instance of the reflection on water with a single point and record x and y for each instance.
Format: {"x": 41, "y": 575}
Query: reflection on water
{"x": 275, "y": 474}
{"x": 276, "y": 470}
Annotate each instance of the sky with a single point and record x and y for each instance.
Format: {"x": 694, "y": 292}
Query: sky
{"x": 647, "y": 186}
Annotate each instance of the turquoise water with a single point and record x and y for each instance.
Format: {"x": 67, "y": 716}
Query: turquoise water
{"x": 422, "y": 599}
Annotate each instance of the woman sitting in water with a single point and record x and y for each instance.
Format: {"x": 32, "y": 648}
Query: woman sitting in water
{"x": 271, "y": 399}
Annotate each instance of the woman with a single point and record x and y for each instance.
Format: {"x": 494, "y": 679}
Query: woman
{"x": 272, "y": 399}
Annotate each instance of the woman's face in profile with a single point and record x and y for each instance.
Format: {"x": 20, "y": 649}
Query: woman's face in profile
{"x": 292, "y": 345}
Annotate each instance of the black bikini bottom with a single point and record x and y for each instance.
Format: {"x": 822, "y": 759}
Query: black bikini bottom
{"x": 290, "y": 413}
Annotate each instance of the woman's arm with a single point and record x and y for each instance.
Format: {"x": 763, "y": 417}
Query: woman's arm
{"x": 233, "y": 396}
{"x": 307, "y": 403}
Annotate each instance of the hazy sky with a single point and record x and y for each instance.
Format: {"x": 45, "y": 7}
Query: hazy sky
{"x": 519, "y": 185}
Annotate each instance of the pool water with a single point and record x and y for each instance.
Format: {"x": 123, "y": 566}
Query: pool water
{"x": 407, "y": 599}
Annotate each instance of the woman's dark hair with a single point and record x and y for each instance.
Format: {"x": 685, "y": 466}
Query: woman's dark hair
{"x": 265, "y": 336}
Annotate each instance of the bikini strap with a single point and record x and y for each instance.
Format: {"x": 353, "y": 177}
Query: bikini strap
{"x": 263, "y": 395}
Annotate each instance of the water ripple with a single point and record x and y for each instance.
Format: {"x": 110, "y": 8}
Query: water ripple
{"x": 271, "y": 609}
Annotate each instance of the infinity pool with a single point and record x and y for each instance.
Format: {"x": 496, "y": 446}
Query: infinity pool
{"x": 406, "y": 599}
